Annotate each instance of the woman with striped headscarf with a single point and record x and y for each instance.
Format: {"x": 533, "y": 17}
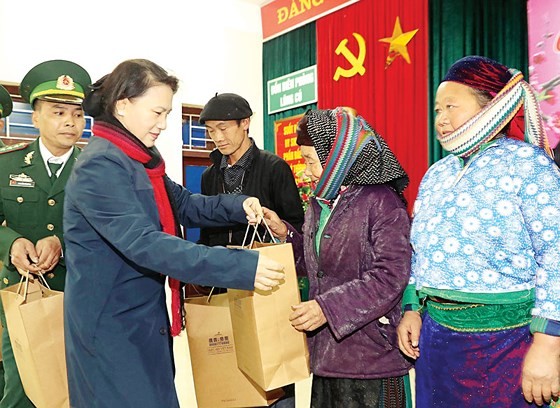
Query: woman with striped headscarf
{"x": 482, "y": 310}
{"x": 355, "y": 250}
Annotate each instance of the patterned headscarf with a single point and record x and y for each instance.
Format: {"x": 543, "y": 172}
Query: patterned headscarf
{"x": 509, "y": 91}
{"x": 351, "y": 153}
{"x": 479, "y": 73}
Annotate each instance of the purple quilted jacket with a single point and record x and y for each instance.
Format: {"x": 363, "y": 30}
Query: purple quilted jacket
{"x": 358, "y": 280}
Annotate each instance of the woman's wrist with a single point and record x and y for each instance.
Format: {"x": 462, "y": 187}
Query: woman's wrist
{"x": 284, "y": 235}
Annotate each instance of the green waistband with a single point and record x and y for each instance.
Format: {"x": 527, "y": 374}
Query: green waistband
{"x": 476, "y": 317}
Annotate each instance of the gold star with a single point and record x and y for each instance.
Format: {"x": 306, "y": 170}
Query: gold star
{"x": 398, "y": 43}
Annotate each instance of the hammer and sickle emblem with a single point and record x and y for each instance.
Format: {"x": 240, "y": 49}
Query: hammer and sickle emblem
{"x": 356, "y": 62}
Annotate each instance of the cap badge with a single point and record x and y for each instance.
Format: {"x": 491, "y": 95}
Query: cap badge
{"x": 65, "y": 83}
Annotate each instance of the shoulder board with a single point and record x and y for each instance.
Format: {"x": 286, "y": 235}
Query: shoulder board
{"x": 13, "y": 147}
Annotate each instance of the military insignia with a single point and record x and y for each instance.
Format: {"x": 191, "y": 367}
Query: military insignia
{"x": 65, "y": 83}
{"x": 21, "y": 180}
{"x": 13, "y": 147}
{"x": 28, "y": 157}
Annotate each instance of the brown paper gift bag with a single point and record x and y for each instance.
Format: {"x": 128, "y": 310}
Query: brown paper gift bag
{"x": 269, "y": 350}
{"x": 35, "y": 322}
{"x": 217, "y": 380}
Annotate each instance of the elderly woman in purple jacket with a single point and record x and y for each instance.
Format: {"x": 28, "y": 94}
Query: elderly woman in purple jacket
{"x": 356, "y": 253}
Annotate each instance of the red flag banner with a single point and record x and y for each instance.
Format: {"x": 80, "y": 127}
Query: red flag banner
{"x": 286, "y": 146}
{"x": 373, "y": 56}
{"x": 281, "y": 16}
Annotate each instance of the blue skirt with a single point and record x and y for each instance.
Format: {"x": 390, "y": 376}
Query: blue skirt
{"x": 457, "y": 369}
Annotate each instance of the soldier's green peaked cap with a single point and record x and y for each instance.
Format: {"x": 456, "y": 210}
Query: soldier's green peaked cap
{"x": 6, "y": 104}
{"x": 56, "y": 81}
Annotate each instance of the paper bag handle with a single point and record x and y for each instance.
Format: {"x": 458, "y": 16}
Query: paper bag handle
{"x": 43, "y": 281}
{"x": 24, "y": 282}
{"x": 267, "y": 228}
{"x": 255, "y": 233}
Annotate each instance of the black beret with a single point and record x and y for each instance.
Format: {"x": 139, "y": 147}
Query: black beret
{"x": 226, "y": 106}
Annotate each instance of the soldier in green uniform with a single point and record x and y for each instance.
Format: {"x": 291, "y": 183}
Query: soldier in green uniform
{"x": 32, "y": 180}
{"x": 6, "y": 106}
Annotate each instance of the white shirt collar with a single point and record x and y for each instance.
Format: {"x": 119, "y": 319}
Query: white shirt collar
{"x": 49, "y": 157}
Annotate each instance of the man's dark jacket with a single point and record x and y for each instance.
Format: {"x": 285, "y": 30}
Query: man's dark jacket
{"x": 269, "y": 178}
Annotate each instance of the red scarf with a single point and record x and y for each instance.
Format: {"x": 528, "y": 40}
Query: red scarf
{"x": 155, "y": 168}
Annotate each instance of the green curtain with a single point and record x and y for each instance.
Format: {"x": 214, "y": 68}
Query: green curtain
{"x": 282, "y": 55}
{"x": 494, "y": 28}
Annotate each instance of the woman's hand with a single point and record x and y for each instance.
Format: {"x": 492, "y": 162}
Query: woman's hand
{"x": 540, "y": 378}
{"x": 253, "y": 209}
{"x": 269, "y": 274}
{"x": 307, "y": 316}
{"x": 276, "y": 225}
{"x": 409, "y": 334}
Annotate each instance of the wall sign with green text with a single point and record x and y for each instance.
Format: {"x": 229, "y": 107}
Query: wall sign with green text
{"x": 290, "y": 91}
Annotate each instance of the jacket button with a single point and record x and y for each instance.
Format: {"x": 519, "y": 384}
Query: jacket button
{"x": 6, "y": 281}
{"x": 163, "y": 330}
{"x": 19, "y": 199}
{"x": 50, "y": 275}
{"x": 50, "y": 227}
{"x": 51, "y": 202}
{"x": 320, "y": 274}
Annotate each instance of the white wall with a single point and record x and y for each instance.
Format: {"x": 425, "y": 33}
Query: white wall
{"x": 211, "y": 45}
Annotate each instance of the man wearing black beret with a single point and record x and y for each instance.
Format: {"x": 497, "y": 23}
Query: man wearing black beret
{"x": 240, "y": 167}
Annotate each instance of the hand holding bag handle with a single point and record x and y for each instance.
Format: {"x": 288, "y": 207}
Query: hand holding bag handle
{"x": 35, "y": 321}
{"x": 24, "y": 284}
